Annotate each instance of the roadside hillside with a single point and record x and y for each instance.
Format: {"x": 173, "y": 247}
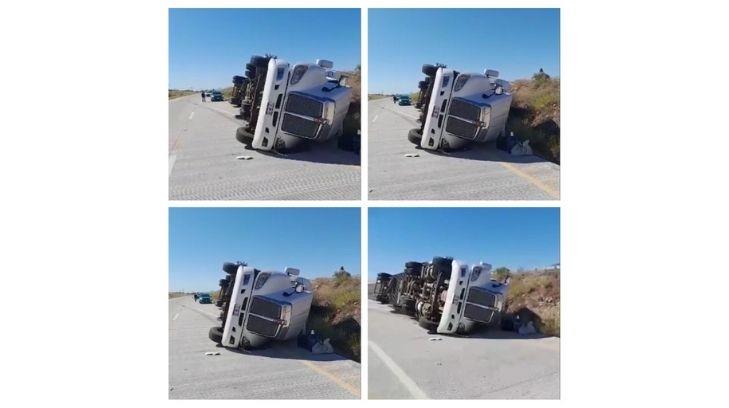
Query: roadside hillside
{"x": 536, "y": 296}
{"x": 535, "y": 114}
{"x": 335, "y": 312}
{"x": 176, "y": 93}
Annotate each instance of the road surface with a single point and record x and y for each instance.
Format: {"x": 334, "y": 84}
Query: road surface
{"x": 404, "y": 363}
{"x": 481, "y": 173}
{"x": 282, "y": 371}
{"x": 203, "y": 164}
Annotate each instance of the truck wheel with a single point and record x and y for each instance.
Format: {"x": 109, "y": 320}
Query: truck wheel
{"x": 259, "y": 61}
{"x": 216, "y": 334}
{"x": 223, "y": 283}
{"x": 243, "y": 136}
{"x": 413, "y": 264}
{"x": 414, "y": 136}
{"x": 427, "y": 324}
{"x": 230, "y": 267}
{"x": 429, "y": 69}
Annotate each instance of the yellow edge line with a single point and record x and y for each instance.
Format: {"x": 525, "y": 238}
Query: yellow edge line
{"x": 533, "y": 180}
{"x": 351, "y": 389}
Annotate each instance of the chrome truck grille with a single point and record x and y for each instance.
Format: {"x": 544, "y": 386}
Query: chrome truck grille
{"x": 463, "y": 119}
{"x": 464, "y": 109}
{"x": 299, "y": 126}
{"x": 302, "y": 116}
{"x": 478, "y": 314}
{"x": 261, "y": 310}
{"x": 262, "y": 326}
{"x": 479, "y": 305}
{"x": 481, "y": 297}
{"x": 304, "y": 106}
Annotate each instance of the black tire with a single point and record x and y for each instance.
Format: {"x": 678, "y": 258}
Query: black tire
{"x": 259, "y": 61}
{"x": 250, "y": 73}
{"x": 223, "y": 283}
{"x": 414, "y": 136}
{"x": 230, "y": 267}
{"x": 244, "y": 136}
{"x": 442, "y": 261}
{"x": 422, "y": 85}
{"x": 219, "y": 303}
{"x": 429, "y": 69}
{"x": 431, "y": 327}
{"x": 413, "y": 264}
{"x": 216, "y": 334}
{"x": 238, "y": 80}
{"x": 384, "y": 275}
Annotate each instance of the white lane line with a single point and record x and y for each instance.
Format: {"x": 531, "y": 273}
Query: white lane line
{"x": 191, "y": 115}
{"x": 374, "y": 119}
{"x": 172, "y": 164}
{"x": 176, "y": 316}
{"x": 408, "y": 382}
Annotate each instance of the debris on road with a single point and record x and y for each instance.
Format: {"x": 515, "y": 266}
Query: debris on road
{"x": 527, "y": 329}
{"x": 435, "y": 339}
{"x": 323, "y": 347}
{"x": 412, "y": 155}
{"x": 212, "y": 353}
{"x": 511, "y": 144}
{"x": 244, "y": 158}
{"x": 314, "y": 343}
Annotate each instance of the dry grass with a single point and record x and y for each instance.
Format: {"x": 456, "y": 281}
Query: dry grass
{"x": 538, "y": 293}
{"x": 377, "y": 96}
{"x": 172, "y": 295}
{"x": 177, "y": 93}
{"x": 535, "y": 114}
{"x": 335, "y": 313}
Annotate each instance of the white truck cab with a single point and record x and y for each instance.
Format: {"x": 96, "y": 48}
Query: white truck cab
{"x": 298, "y": 103}
{"x": 461, "y": 108}
{"x": 260, "y": 306}
{"x": 472, "y": 298}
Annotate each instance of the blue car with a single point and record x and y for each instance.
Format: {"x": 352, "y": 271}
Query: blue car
{"x": 403, "y": 100}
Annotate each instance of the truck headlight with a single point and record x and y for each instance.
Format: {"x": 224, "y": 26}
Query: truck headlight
{"x": 285, "y": 315}
{"x": 485, "y": 116}
{"x": 298, "y": 73}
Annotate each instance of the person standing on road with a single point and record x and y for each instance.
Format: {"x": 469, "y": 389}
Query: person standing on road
{"x": 203, "y": 95}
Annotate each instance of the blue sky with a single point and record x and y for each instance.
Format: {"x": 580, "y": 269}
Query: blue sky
{"x": 511, "y": 237}
{"x": 208, "y": 46}
{"x": 316, "y": 240}
{"x": 516, "y": 42}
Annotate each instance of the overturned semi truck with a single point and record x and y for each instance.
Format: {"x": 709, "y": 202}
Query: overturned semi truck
{"x": 459, "y": 109}
{"x": 445, "y": 295}
{"x": 239, "y": 87}
{"x": 286, "y": 106}
{"x": 260, "y": 306}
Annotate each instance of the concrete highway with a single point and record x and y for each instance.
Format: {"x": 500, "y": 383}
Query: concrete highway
{"x": 281, "y": 371}
{"x": 481, "y": 173}
{"x": 203, "y": 162}
{"x": 406, "y": 362}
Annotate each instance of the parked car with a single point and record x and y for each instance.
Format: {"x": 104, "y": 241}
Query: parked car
{"x": 204, "y": 298}
{"x": 459, "y": 109}
{"x": 261, "y": 306}
{"x": 403, "y": 100}
{"x": 217, "y": 96}
{"x": 288, "y": 106}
